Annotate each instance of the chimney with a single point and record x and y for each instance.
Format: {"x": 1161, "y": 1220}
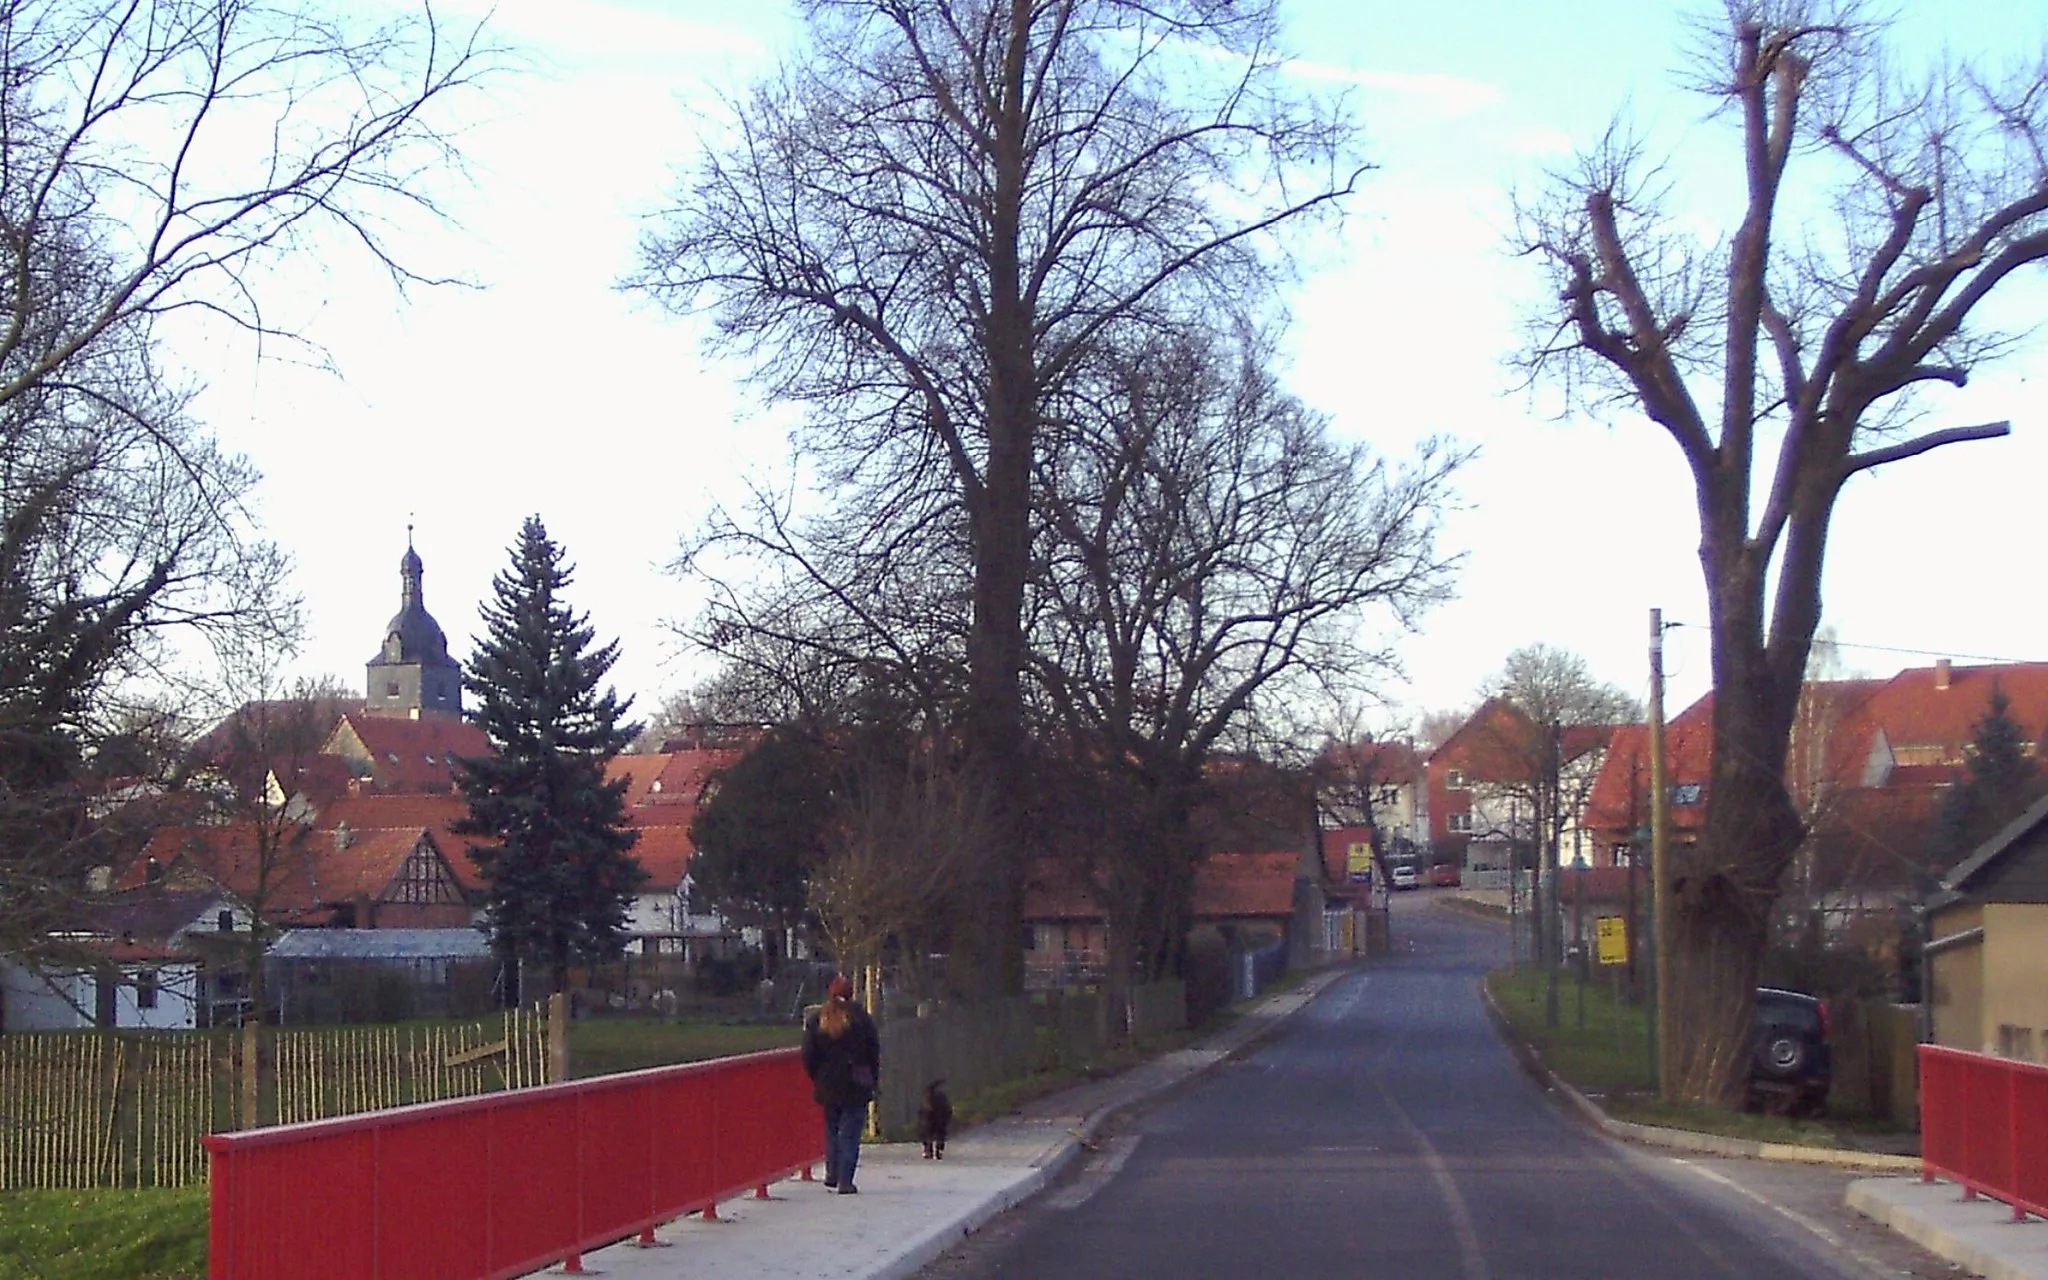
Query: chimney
{"x": 1941, "y": 673}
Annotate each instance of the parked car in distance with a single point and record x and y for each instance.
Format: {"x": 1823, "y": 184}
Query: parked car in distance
{"x": 1405, "y": 876}
{"x": 1446, "y": 875}
{"x": 1791, "y": 1064}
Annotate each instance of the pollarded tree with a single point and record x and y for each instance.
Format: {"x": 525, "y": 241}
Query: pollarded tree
{"x": 1880, "y": 208}
{"x": 559, "y": 875}
{"x": 930, "y": 222}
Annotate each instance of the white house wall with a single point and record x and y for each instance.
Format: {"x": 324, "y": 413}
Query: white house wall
{"x": 35, "y": 1002}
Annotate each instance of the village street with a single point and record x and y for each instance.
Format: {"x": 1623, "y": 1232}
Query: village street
{"x": 1386, "y": 1131}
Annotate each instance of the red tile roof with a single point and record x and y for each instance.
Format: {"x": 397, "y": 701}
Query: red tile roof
{"x": 309, "y": 871}
{"x": 665, "y": 853}
{"x": 1236, "y": 885}
{"x": 1389, "y": 764}
{"x": 640, "y": 773}
{"x": 408, "y": 756}
{"x": 436, "y": 813}
{"x": 1619, "y": 802}
{"x": 1228, "y": 886}
{"x": 682, "y": 779}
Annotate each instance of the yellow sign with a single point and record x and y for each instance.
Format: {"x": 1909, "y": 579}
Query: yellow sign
{"x": 1358, "y": 860}
{"x": 1612, "y": 935}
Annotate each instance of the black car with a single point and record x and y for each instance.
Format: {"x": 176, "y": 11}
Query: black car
{"x": 1790, "y": 1065}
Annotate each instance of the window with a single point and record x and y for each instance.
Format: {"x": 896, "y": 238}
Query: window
{"x": 224, "y": 922}
{"x": 1457, "y": 781}
{"x": 391, "y": 688}
{"x": 2016, "y": 1042}
{"x": 145, "y": 989}
{"x": 1685, "y": 793}
{"x": 1460, "y": 822}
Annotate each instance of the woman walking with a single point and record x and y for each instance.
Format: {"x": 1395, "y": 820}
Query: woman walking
{"x": 843, "y": 1058}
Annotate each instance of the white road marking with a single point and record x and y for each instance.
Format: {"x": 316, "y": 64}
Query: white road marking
{"x": 1101, "y": 1167}
{"x": 1832, "y": 1240}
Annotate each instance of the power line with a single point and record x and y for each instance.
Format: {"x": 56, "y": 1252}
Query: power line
{"x": 1886, "y": 648}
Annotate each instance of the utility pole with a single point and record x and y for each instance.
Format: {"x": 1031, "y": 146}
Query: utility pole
{"x": 1553, "y": 830}
{"x": 1660, "y": 868}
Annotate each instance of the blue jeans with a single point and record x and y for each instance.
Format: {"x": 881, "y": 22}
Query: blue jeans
{"x": 842, "y": 1142}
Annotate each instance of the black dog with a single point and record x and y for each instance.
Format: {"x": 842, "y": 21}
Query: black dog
{"x": 934, "y": 1118}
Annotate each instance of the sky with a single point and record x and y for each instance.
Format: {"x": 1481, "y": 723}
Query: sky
{"x": 539, "y": 387}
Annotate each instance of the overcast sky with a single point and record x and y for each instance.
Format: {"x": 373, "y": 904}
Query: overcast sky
{"x": 543, "y": 389}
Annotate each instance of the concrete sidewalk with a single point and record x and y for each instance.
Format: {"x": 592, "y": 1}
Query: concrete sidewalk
{"x": 911, "y": 1210}
{"x": 1979, "y": 1234}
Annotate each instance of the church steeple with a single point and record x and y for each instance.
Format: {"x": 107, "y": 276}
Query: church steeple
{"x": 412, "y": 675}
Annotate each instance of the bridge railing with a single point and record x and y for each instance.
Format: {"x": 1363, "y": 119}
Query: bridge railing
{"x": 509, "y": 1183}
{"x": 1984, "y": 1126}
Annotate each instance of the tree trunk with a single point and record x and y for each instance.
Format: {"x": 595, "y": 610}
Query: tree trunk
{"x": 1723, "y": 889}
{"x": 1000, "y": 526}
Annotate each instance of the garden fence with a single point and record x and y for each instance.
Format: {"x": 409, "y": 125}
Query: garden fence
{"x": 101, "y": 1108}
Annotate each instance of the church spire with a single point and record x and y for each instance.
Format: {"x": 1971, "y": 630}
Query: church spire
{"x": 412, "y": 674}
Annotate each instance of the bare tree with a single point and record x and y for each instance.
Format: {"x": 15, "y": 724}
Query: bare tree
{"x": 908, "y": 824}
{"x": 1209, "y": 556}
{"x": 1548, "y": 757}
{"x": 931, "y": 220}
{"x": 1880, "y": 209}
{"x": 161, "y": 158}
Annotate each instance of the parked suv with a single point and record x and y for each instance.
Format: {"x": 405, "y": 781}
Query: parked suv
{"x": 1790, "y": 1064}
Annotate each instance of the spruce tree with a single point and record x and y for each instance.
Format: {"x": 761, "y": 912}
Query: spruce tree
{"x": 1998, "y": 781}
{"x": 559, "y": 875}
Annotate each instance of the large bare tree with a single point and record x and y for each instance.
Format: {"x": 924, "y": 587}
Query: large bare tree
{"x": 929, "y": 221}
{"x": 1210, "y": 555}
{"x": 159, "y": 158}
{"x": 1881, "y": 205}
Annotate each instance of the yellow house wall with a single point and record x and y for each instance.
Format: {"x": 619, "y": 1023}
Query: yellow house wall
{"x": 1958, "y": 974}
{"x": 2016, "y": 973}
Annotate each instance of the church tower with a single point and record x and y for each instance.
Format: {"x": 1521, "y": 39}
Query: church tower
{"x": 412, "y": 675}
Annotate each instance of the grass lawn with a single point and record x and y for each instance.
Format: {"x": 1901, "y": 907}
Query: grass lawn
{"x": 1607, "y": 1059}
{"x": 1606, "y": 1052}
{"x": 103, "y": 1235}
{"x": 603, "y": 1046}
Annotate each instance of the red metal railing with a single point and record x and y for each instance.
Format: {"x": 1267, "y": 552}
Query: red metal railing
{"x": 1984, "y": 1126}
{"x": 507, "y": 1183}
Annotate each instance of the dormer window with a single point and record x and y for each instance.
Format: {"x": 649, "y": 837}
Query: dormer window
{"x": 1457, "y": 781}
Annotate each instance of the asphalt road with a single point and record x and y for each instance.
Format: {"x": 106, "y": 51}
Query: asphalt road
{"x": 1385, "y": 1131}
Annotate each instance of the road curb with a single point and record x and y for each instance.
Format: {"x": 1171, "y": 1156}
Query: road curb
{"x": 1684, "y": 1139}
{"x": 1937, "y": 1218}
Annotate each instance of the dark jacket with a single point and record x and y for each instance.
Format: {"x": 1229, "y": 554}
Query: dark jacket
{"x": 843, "y": 1068}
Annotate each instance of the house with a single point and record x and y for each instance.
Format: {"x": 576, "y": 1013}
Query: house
{"x": 303, "y": 876}
{"x": 1253, "y": 899}
{"x": 150, "y": 957}
{"x": 1986, "y": 945}
{"x": 1869, "y": 765}
{"x": 1380, "y": 786}
{"x": 413, "y": 757}
{"x": 1482, "y": 784}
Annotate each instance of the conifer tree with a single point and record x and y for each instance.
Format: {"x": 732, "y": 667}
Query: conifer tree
{"x": 1998, "y": 781}
{"x": 560, "y": 875}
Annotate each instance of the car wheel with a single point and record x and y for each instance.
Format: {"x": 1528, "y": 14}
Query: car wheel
{"x": 1784, "y": 1055}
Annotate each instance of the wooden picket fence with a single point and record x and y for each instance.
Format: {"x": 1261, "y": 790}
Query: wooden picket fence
{"x": 84, "y": 1109}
